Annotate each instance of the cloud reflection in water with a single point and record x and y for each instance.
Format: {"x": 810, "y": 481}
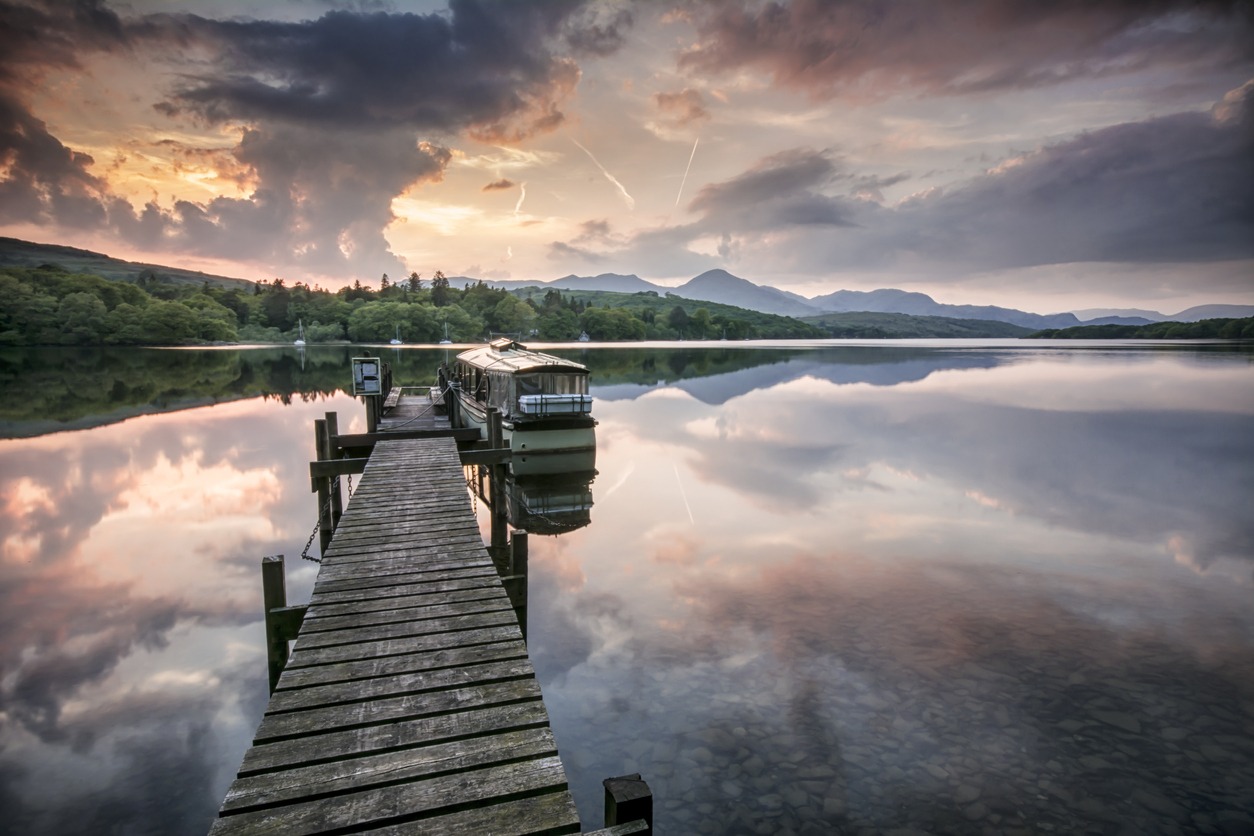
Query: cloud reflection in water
{"x": 949, "y": 604}
{"x": 133, "y": 670}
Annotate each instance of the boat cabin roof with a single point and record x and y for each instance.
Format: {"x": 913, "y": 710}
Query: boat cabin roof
{"x": 510, "y": 356}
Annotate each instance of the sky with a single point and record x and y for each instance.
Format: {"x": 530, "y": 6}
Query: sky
{"x": 1046, "y": 156}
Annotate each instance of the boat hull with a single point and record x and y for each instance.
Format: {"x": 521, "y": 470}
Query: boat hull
{"x": 556, "y": 444}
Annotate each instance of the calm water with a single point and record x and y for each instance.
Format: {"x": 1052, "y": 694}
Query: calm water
{"x": 959, "y": 589}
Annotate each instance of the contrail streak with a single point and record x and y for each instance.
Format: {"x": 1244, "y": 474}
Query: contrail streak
{"x": 684, "y": 495}
{"x": 631, "y": 201}
{"x": 521, "y": 197}
{"x": 631, "y": 468}
{"x": 686, "y": 170}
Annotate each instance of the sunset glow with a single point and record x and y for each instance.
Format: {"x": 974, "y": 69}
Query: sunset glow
{"x": 1046, "y": 158}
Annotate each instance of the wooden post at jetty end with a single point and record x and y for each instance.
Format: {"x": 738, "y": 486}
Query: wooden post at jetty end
{"x": 282, "y": 622}
{"x": 627, "y": 799}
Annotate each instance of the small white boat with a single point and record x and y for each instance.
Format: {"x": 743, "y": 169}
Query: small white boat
{"x": 300, "y": 339}
{"x": 446, "y": 340}
{"x": 397, "y": 339}
{"x": 583, "y": 337}
{"x": 543, "y": 400}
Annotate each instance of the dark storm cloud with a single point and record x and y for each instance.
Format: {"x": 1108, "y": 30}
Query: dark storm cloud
{"x": 45, "y": 181}
{"x": 490, "y": 68}
{"x": 782, "y": 190}
{"x": 322, "y": 201}
{"x": 335, "y": 111}
{"x": 1170, "y": 189}
{"x": 872, "y": 49}
{"x": 53, "y": 33}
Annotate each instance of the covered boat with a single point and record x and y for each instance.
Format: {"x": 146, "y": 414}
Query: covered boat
{"x": 543, "y": 400}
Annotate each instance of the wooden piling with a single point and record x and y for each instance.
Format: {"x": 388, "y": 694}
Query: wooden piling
{"x": 273, "y": 597}
{"x": 337, "y": 499}
{"x": 322, "y": 449}
{"x": 514, "y": 578}
{"x": 628, "y": 798}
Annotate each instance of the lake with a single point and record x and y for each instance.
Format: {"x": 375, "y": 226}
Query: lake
{"x": 951, "y": 587}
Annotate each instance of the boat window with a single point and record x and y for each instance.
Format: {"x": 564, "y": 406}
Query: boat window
{"x": 552, "y": 383}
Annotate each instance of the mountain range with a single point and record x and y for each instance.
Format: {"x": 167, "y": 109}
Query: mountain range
{"x": 711, "y": 286}
{"x": 721, "y": 286}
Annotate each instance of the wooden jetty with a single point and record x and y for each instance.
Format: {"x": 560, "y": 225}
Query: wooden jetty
{"x": 408, "y": 703}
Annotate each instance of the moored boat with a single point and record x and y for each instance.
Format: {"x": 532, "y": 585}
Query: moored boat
{"x": 543, "y": 400}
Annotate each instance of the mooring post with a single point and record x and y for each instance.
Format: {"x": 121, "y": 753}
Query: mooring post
{"x": 628, "y": 798}
{"x": 372, "y": 413}
{"x": 337, "y": 499}
{"x": 494, "y": 428}
{"x": 515, "y": 582}
{"x": 518, "y": 552}
{"x": 322, "y": 446}
{"x": 273, "y": 597}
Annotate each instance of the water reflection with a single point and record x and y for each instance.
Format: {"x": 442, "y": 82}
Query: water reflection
{"x": 820, "y": 590}
{"x": 130, "y": 609}
{"x": 1009, "y": 595}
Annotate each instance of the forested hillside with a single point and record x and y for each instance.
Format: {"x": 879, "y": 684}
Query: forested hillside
{"x": 49, "y": 305}
{"x": 1206, "y": 329}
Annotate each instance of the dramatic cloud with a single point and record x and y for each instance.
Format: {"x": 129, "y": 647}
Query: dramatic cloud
{"x": 782, "y": 190}
{"x": 486, "y": 68}
{"x": 870, "y": 50}
{"x": 1168, "y": 190}
{"x": 1172, "y": 189}
{"x": 499, "y": 185}
{"x": 327, "y": 145}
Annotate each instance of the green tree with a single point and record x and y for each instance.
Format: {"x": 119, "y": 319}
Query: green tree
{"x": 169, "y": 323}
{"x": 440, "y": 293}
{"x": 701, "y": 323}
{"x": 511, "y": 316}
{"x": 82, "y": 319}
{"x": 558, "y": 324}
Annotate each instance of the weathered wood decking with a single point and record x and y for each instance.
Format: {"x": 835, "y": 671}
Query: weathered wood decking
{"x": 408, "y": 704}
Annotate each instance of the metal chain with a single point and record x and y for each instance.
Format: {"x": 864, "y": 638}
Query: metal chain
{"x": 304, "y": 555}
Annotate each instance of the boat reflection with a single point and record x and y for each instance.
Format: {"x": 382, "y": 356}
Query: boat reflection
{"x": 548, "y": 495}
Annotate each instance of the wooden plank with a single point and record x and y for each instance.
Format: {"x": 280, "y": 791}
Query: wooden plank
{"x": 407, "y": 707}
{"x": 417, "y": 682}
{"x": 431, "y": 587}
{"x": 342, "y": 568}
{"x": 339, "y": 744}
{"x": 334, "y": 654}
{"x": 423, "y": 609}
{"x": 406, "y": 803}
{"x": 388, "y": 580}
{"x": 404, "y": 663}
{"x": 512, "y": 818}
{"x": 336, "y": 467}
{"x": 326, "y": 610}
{"x": 370, "y": 439}
{"x": 382, "y": 632}
{"x": 395, "y": 767}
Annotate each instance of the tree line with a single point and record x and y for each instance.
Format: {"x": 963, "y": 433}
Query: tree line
{"x": 48, "y": 305}
{"x": 1206, "y": 329}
